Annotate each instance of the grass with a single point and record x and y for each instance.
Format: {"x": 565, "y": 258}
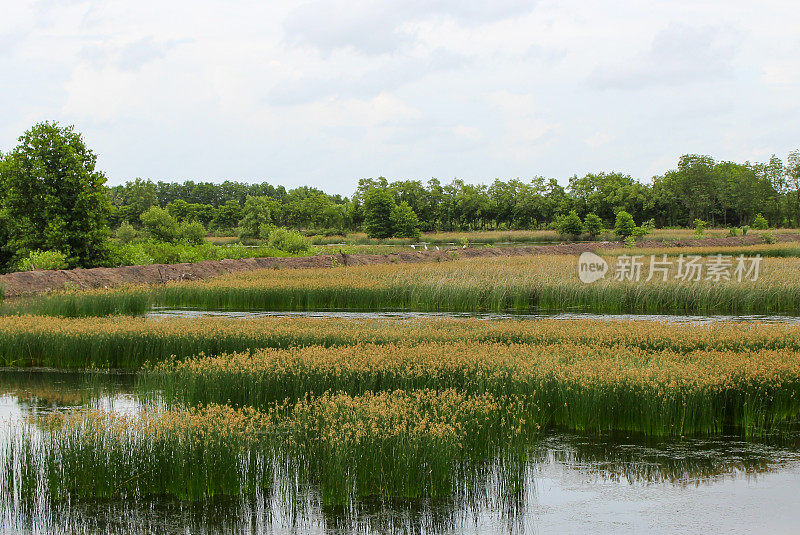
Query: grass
{"x": 775, "y": 250}
{"x": 384, "y": 445}
{"x": 485, "y": 284}
{"x": 579, "y": 387}
{"x": 129, "y": 343}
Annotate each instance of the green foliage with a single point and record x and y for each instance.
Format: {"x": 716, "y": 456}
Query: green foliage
{"x": 593, "y": 225}
{"x": 378, "y": 208}
{"x": 257, "y": 213}
{"x": 405, "y": 223}
{"x": 699, "y": 228}
{"x": 227, "y": 216}
{"x": 126, "y": 233}
{"x": 760, "y": 222}
{"x": 630, "y": 241}
{"x": 768, "y": 238}
{"x": 288, "y": 240}
{"x": 624, "y": 225}
{"x": 160, "y": 225}
{"x": 745, "y": 228}
{"x": 53, "y": 198}
{"x": 193, "y": 232}
{"x": 733, "y": 232}
{"x": 43, "y": 260}
{"x": 570, "y": 225}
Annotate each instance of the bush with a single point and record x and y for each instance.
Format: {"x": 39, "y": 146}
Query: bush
{"x": 768, "y": 238}
{"x": 699, "y": 228}
{"x": 570, "y": 225}
{"x": 760, "y": 223}
{"x": 733, "y": 231}
{"x": 593, "y": 225}
{"x": 160, "y": 225}
{"x": 624, "y": 225}
{"x": 43, "y": 260}
{"x": 192, "y": 232}
{"x": 288, "y": 240}
{"x": 745, "y": 228}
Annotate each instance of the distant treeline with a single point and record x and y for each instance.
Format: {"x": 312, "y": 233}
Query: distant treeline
{"x": 721, "y": 193}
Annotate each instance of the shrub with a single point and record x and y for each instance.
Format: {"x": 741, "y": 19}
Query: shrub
{"x": 257, "y": 211}
{"x": 570, "y": 225}
{"x": 624, "y": 225}
{"x": 733, "y": 231}
{"x": 593, "y": 225}
{"x": 768, "y": 238}
{"x": 160, "y": 225}
{"x": 126, "y": 233}
{"x": 699, "y": 228}
{"x": 745, "y": 228}
{"x": 760, "y": 223}
{"x": 43, "y": 260}
{"x": 192, "y": 232}
{"x": 288, "y": 240}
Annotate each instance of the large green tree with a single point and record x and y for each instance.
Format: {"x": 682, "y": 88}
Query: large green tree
{"x": 378, "y": 207}
{"x": 53, "y": 198}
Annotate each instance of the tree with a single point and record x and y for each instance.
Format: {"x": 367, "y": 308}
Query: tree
{"x": 593, "y": 225}
{"x": 570, "y": 225}
{"x": 378, "y": 207}
{"x": 624, "y": 225}
{"x": 53, "y": 197}
{"x": 160, "y": 224}
{"x": 257, "y": 215}
{"x": 227, "y": 216}
{"x": 405, "y": 223}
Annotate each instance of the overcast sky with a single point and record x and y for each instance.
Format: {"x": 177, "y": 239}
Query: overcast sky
{"x": 325, "y": 92}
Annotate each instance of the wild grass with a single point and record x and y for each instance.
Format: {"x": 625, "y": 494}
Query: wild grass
{"x": 774, "y": 250}
{"x": 486, "y": 284}
{"x": 519, "y": 283}
{"x": 129, "y": 343}
{"x": 580, "y": 387}
{"x": 385, "y": 445}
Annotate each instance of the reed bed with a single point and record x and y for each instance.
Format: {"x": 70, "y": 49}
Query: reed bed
{"x": 385, "y": 445}
{"x": 124, "y": 342}
{"x": 580, "y": 387}
{"x": 547, "y": 282}
{"x": 775, "y": 250}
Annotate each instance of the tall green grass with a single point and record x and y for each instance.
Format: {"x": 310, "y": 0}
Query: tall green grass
{"x": 417, "y": 445}
{"x": 122, "y": 342}
{"x": 579, "y": 387}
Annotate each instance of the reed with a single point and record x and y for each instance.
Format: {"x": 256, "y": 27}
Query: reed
{"x": 124, "y": 342}
{"x": 581, "y": 387}
{"x": 547, "y": 282}
{"x": 384, "y": 445}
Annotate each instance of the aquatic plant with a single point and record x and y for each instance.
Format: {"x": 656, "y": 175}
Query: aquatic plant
{"x": 385, "y": 445}
{"x": 582, "y": 387}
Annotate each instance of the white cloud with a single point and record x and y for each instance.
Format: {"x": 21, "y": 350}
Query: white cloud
{"x": 325, "y": 92}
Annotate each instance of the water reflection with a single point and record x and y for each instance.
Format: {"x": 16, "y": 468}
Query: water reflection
{"x": 570, "y": 483}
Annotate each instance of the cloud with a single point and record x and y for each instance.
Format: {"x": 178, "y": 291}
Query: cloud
{"x": 680, "y": 54}
{"x": 380, "y": 27}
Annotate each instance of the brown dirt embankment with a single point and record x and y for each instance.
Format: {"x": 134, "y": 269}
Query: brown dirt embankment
{"x": 36, "y": 282}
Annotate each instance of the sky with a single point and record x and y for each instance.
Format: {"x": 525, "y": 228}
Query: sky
{"x": 325, "y": 92}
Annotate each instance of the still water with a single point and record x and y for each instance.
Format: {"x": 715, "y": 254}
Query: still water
{"x": 398, "y": 314}
{"x": 572, "y": 484}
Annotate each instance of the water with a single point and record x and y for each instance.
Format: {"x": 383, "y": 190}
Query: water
{"x": 163, "y": 312}
{"x": 572, "y": 484}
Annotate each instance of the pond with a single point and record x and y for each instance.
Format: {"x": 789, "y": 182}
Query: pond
{"x": 571, "y": 484}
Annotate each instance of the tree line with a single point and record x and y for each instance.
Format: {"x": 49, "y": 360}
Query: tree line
{"x": 53, "y": 198}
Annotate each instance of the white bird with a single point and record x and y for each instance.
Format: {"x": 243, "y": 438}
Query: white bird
{"x": 413, "y": 246}
{"x": 426, "y": 246}
{"x": 437, "y": 247}
{"x": 464, "y": 246}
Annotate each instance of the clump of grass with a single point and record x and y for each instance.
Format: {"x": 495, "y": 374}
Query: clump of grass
{"x": 82, "y": 303}
{"x": 385, "y": 445}
{"x": 581, "y": 387}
